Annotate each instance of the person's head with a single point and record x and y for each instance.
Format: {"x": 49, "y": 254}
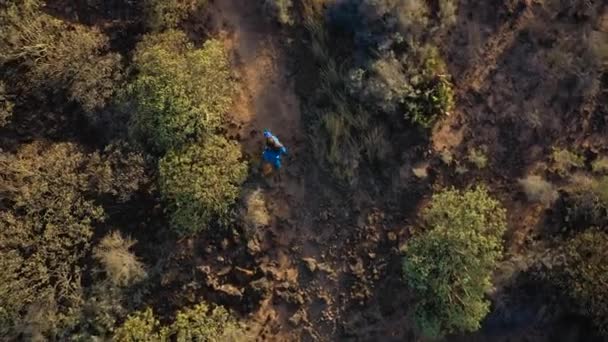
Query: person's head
{"x": 267, "y": 134}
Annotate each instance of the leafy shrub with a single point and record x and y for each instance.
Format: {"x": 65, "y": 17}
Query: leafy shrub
{"x": 203, "y": 323}
{"x": 58, "y": 55}
{"x": 584, "y": 274}
{"x": 139, "y": 327}
{"x": 121, "y": 266}
{"x": 201, "y": 182}
{"x": 478, "y": 158}
{"x": 564, "y": 161}
{"x": 281, "y": 10}
{"x": 200, "y": 323}
{"x": 538, "y": 190}
{"x": 181, "y": 93}
{"x": 168, "y": 14}
{"x": 450, "y": 263}
{"x": 6, "y": 105}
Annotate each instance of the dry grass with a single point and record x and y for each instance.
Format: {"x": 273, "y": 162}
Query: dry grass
{"x": 120, "y": 265}
{"x": 538, "y": 190}
{"x": 478, "y": 158}
{"x": 256, "y": 211}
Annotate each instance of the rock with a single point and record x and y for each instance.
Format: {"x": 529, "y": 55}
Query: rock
{"x": 392, "y": 236}
{"x": 230, "y": 290}
{"x": 310, "y": 263}
{"x": 244, "y": 271}
{"x": 298, "y": 318}
{"x": 371, "y": 255}
{"x": 253, "y": 246}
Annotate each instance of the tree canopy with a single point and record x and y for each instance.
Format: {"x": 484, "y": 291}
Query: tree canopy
{"x": 449, "y": 264}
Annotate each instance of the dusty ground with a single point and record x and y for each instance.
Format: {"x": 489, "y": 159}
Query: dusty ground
{"x": 325, "y": 266}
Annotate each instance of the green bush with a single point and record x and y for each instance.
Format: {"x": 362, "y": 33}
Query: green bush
{"x": 141, "y": 326}
{"x": 181, "y": 93}
{"x": 200, "y": 323}
{"x": 584, "y": 274}
{"x": 168, "y": 14}
{"x": 57, "y": 55}
{"x": 200, "y": 183}
{"x": 450, "y": 263}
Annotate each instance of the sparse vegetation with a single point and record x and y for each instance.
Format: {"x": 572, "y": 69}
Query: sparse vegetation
{"x": 127, "y": 128}
{"x": 449, "y": 264}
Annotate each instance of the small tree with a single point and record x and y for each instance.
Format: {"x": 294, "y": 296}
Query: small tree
{"x": 450, "y": 263}
{"x": 181, "y": 93}
{"x": 201, "y": 182}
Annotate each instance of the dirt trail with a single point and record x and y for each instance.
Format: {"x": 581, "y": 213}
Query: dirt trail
{"x": 266, "y": 99}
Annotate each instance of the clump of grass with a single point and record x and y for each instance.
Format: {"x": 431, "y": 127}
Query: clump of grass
{"x": 563, "y": 161}
{"x": 538, "y": 190}
{"x": 478, "y": 158}
{"x": 121, "y": 266}
{"x": 257, "y": 213}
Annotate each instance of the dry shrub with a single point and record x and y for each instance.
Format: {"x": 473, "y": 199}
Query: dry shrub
{"x": 257, "y": 213}
{"x": 121, "y": 266}
{"x": 538, "y": 190}
{"x": 600, "y": 165}
{"x": 564, "y": 161}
